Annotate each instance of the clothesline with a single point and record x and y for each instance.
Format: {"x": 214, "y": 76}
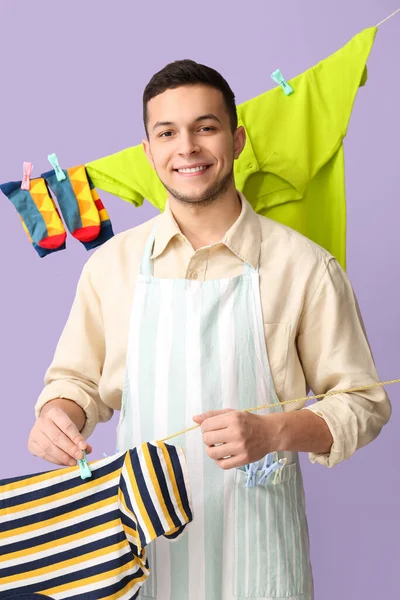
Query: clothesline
{"x": 389, "y": 17}
{"x": 304, "y": 399}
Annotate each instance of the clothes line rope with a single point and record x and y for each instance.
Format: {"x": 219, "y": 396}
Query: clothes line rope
{"x": 387, "y": 18}
{"x": 303, "y": 399}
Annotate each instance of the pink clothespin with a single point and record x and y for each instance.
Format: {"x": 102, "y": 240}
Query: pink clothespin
{"x": 26, "y": 180}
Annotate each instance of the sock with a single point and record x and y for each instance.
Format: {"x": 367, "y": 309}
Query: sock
{"x": 39, "y": 215}
{"x": 106, "y": 230}
{"x": 76, "y": 203}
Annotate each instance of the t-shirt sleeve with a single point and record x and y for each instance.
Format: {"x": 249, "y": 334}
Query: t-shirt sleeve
{"x": 128, "y": 175}
{"x": 308, "y": 126}
{"x": 154, "y": 493}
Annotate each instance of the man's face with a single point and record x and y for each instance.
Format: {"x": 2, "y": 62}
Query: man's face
{"x": 191, "y": 145}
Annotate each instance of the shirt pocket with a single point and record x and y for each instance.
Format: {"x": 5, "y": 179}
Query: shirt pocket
{"x": 271, "y": 556}
{"x": 277, "y": 344}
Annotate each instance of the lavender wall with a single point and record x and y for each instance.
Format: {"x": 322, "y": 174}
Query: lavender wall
{"x": 72, "y": 75}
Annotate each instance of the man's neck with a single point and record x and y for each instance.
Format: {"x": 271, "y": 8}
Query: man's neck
{"x": 206, "y": 225}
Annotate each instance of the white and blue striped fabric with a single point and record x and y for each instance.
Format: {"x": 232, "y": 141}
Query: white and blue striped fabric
{"x": 197, "y": 346}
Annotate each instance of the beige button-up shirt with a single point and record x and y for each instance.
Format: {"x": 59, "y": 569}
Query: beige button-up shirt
{"x": 313, "y": 329}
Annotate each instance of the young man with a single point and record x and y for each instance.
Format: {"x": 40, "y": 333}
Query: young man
{"x": 204, "y": 311}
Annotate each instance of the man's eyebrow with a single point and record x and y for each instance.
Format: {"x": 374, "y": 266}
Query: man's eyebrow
{"x": 209, "y": 117}
{"x": 162, "y": 124}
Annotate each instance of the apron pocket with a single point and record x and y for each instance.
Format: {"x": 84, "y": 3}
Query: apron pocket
{"x": 271, "y": 558}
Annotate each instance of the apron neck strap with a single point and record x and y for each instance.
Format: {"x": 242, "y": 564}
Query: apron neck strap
{"x": 146, "y": 266}
{"x": 249, "y": 269}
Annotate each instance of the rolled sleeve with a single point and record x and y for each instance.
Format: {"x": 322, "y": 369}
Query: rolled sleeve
{"x": 335, "y": 355}
{"x": 342, "y": 424}
{"x": 75, "y": 371}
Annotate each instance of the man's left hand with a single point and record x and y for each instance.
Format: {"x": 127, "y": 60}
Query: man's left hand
{"x": 234, "y": 438}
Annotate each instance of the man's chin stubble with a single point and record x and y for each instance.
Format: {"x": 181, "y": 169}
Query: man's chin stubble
{"x": 209, "y": 196}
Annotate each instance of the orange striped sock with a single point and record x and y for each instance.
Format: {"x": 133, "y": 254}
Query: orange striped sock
{"x": 39, "y": 215}
{"x": 106, "y": 230}
{"x": 76, "y": 203}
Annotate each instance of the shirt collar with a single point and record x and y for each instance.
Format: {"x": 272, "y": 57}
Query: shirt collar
{"x": 243, "y": 238}
{"x": 251, "y": 162}
{"x": 167, "y": 228}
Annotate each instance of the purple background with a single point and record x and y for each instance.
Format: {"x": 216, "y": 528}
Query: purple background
{"x": 72, "y": 76}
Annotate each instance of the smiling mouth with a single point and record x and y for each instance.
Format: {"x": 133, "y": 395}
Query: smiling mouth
{"x": 188, "y": 171}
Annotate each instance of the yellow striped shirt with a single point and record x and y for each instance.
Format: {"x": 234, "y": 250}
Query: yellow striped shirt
{"x": 86, "y": 539}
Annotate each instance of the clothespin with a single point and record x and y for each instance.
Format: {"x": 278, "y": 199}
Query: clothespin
{"x": 278, "y": 473}
{"x": 53, "y": 160}
{"x": 251, "y": 470}
{"x": 279, "y": 78}
{"x": 271, "y": 464}
{"x": 26, "y": 179}
{"x": 84, "y": 467}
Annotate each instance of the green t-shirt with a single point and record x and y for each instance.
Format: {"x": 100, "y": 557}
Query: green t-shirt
{"x": 292, "y": 167}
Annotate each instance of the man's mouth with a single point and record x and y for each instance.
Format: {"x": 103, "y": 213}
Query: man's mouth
{"x": 193, "y": 170}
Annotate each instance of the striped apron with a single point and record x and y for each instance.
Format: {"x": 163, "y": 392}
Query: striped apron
{"x": 197, "y": 346}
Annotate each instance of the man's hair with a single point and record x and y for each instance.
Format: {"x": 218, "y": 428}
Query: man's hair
{"x": 189, "y": 72}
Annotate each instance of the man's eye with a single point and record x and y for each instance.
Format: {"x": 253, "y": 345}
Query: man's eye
{"x": 166, "y": 134}
{"x": 208, "y": 128}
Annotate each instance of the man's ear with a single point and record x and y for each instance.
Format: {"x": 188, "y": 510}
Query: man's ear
{"x": 239, "y": 141}
{"x": 147, "y": 151}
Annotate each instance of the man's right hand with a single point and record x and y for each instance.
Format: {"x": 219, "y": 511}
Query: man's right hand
{"x": 55, "y": 435}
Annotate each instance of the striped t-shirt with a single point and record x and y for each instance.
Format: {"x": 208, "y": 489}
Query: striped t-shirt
{"x": 85, "y": 539}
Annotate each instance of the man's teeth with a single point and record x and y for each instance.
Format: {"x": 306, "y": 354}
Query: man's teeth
{"x": 192, "y": 170}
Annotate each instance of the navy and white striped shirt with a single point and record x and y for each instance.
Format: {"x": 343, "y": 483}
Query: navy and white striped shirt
{"x": 66, "y": 537}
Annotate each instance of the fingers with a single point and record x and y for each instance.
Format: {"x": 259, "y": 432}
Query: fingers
{"x": 220, "y": 420}
{"x": 228, "y": 456}
{"x": 199, "y": 419}
{"x": 222, "y": 451}
{"x": 55, "y": 438}
{"x": 64, "y": 434}
{"x": 215, "y": 437}
{"x": 230, "y": 463}
{"x": 230, "y": 438}
{"x": 62, "y": 441}
{"x": 43, "y": 447}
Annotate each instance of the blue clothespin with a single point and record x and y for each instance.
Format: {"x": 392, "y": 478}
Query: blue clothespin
{"x": 84, "y": 467}
{"x": 251, "y": 470}
{"x": 53, "y": 160}
{"x": 279, "y": 78}
{"x": 270, "y": 466}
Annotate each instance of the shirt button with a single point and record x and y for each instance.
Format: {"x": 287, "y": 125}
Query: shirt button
{"x": 193, "y": 275}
